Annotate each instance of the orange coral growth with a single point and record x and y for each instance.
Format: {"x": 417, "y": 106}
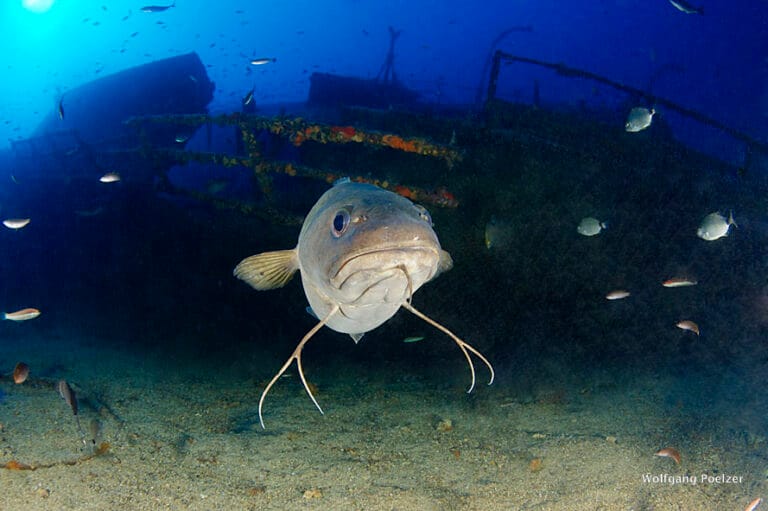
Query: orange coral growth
{"x": 16, "y": 465}
{"x": 298, "y": 139}
{"x": 396, "y": 142}
{"x": 443, "y": 197}
{"x": 406, "y": 192}
{"x": 343, "y": 131}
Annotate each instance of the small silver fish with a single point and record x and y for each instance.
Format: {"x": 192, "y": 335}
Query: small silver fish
{"x": 679, "y": 282}
{"x": 715, "y": 226}
{"x": 248, "y": 98}
{"x": 262, "y": 61}
{"x": 590, "y": 226}
{"x": 683, "y": 6}
{"x": 416, "y": 338}
{"x": 617, "y": 294}
{"x": 362, "y": 253}
{"x": 60, "y": 110}
{"x": 689, "y": 325}
{"x": 181, "y": 138}
{"x": 16, "y": 223}
{"x": 110, "y": 177}
{"x": 638, "y": 119}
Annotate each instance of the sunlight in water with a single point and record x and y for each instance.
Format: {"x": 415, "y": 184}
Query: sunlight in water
{"x": 38, "y": 6}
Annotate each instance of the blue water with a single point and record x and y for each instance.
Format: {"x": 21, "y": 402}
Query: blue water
{"x": 713, "y": 63}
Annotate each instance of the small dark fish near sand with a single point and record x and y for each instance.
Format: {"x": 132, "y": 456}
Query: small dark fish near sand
{"x": 157, "y": 8}
{"x": 20, "y": 373}
{"x": 67, "y": 393}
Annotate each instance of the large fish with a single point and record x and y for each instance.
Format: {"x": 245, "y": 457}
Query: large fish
{"x": 362, "y": 253}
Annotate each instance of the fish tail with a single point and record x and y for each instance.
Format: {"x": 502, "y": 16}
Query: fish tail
{"x": 731, "y": 221}
{"x": 4, "y": 315}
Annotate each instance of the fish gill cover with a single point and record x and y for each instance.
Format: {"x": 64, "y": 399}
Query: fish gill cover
{"x": 596, "y": 171}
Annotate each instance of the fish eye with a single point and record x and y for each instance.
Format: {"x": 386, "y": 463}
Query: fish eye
{"x": 340, "y": 223}
{"x": 423, "y": 213}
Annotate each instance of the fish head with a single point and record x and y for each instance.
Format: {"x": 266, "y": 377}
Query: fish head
{"x": 366, "y": 250}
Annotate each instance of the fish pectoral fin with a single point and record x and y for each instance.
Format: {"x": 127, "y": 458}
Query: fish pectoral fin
{"x": 357, "y": 337}
{"x": 268, "y": 270}
{"x": 444, "y": 264}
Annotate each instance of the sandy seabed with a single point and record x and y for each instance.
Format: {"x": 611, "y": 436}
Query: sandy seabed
{"x": 160, "y": 438}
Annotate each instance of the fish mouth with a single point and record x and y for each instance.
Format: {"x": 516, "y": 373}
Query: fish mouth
{"x": 378, "y": 263}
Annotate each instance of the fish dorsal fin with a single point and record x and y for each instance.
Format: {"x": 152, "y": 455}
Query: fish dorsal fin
{"x": 268, "y": 270}
{"x": 356, "y": 337}
{"x": 341, "y": 181}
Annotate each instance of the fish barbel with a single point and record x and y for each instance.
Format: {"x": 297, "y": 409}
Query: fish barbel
{"x": 362, "y": 253}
